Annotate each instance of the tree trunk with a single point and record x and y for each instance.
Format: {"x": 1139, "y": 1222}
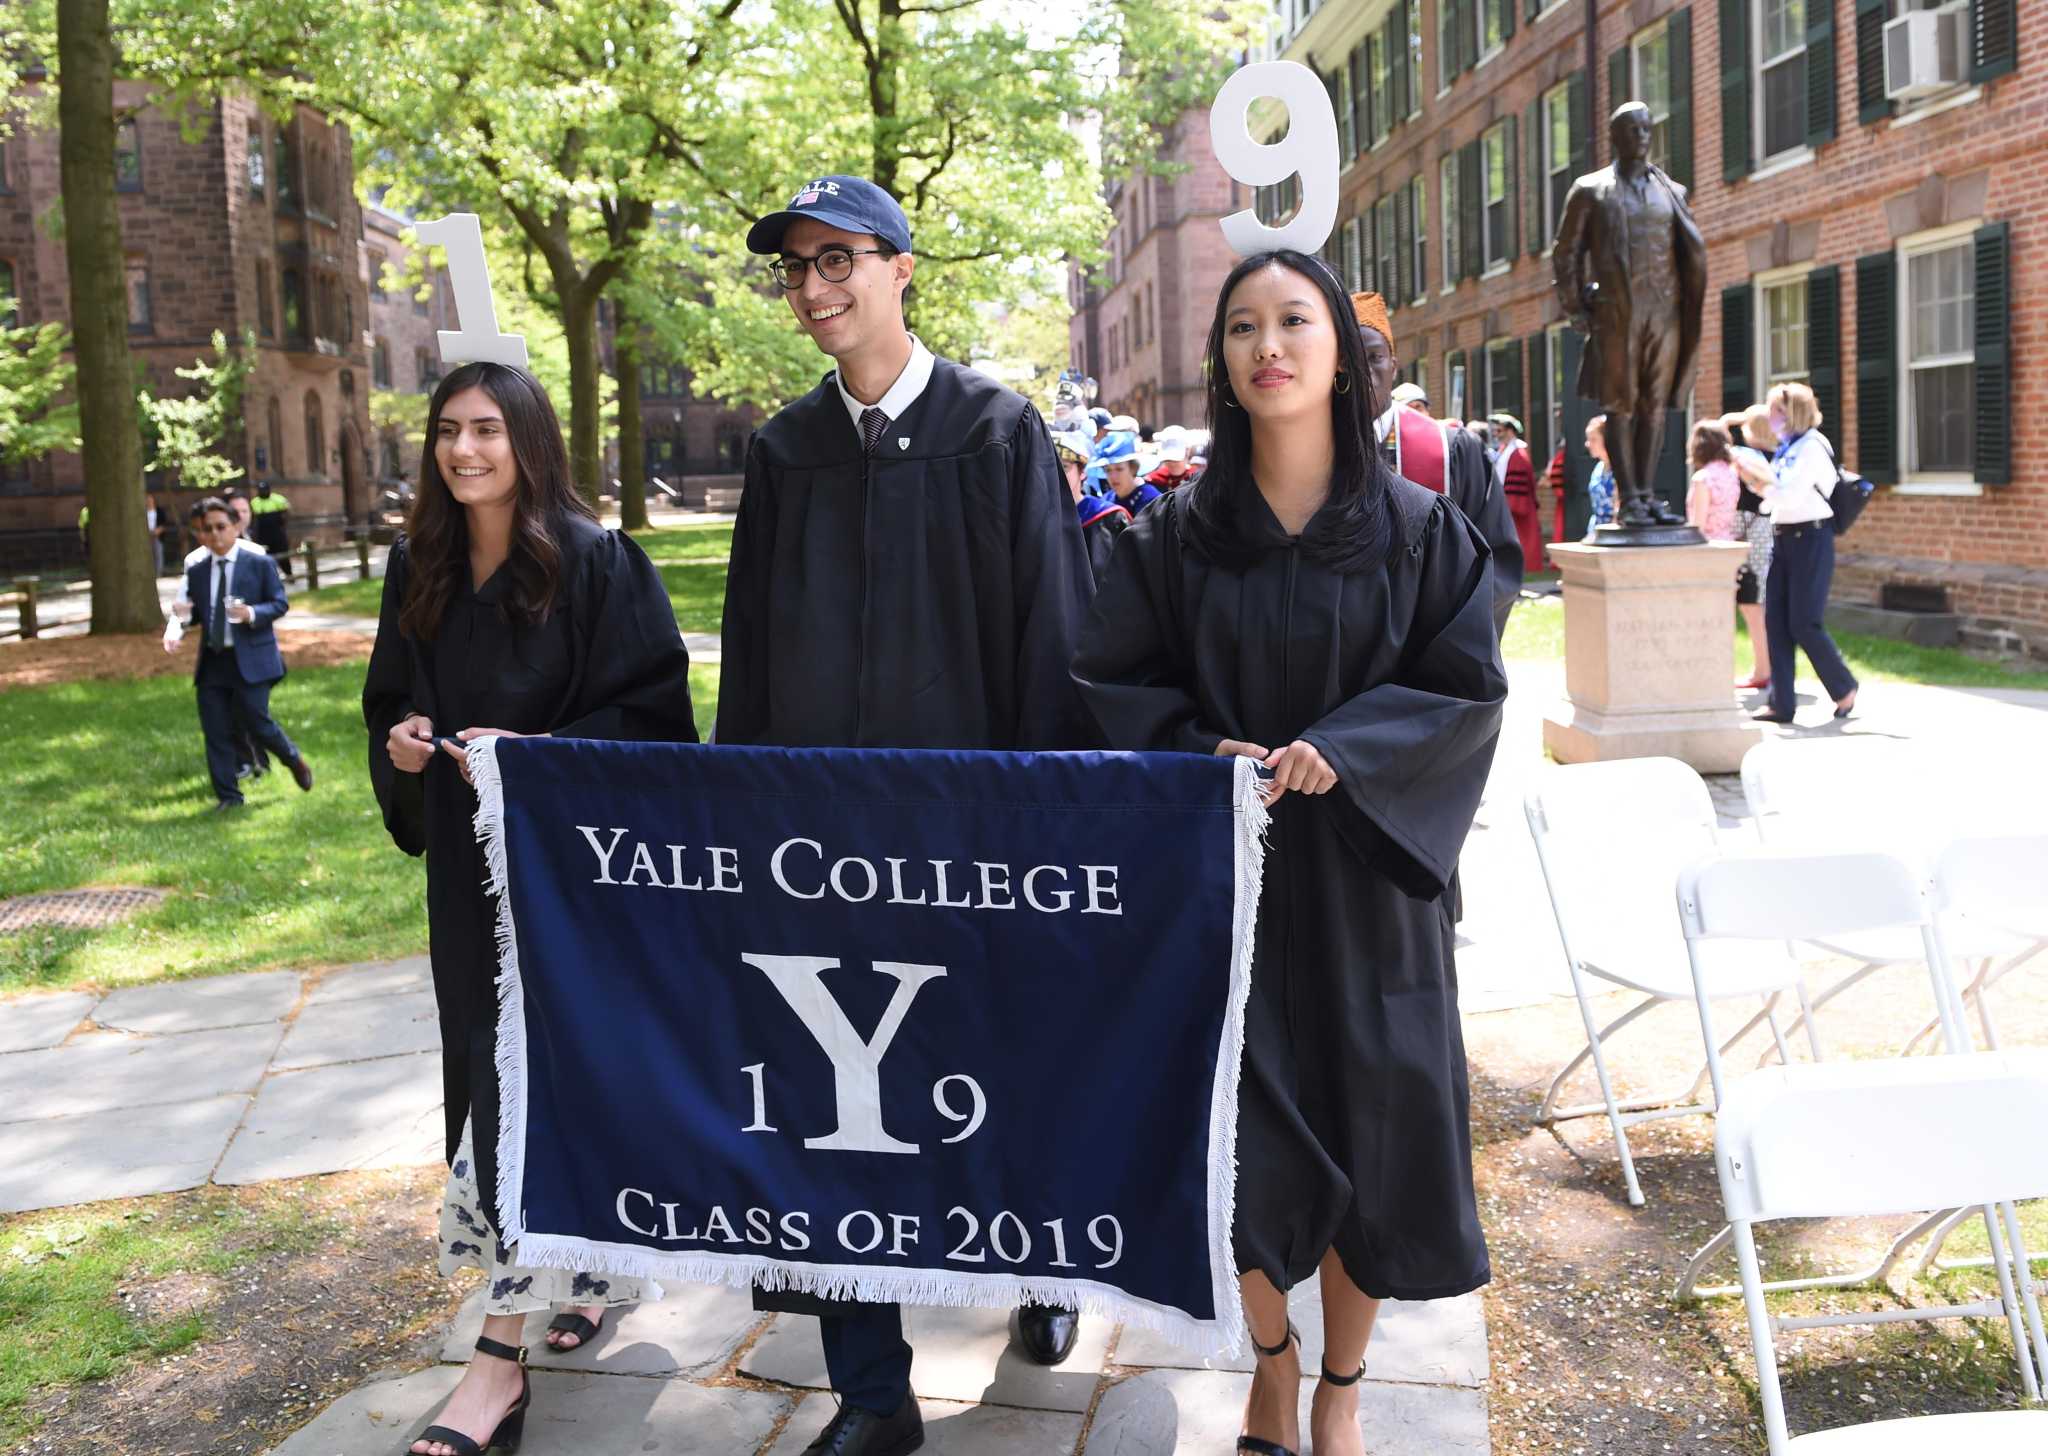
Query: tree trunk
{"x": 579, "y": 327}
{"x": 885, "y": 127}
{"x": 632, "y": 444}
{"x": 123, "y": 577}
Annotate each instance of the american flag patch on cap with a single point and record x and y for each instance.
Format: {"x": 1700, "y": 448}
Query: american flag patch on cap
{"x": 805, "y": 199}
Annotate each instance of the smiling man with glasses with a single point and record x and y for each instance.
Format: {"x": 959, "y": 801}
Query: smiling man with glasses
{"x": 907, "y": 572}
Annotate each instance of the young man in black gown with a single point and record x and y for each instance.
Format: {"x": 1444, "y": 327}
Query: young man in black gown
{"x": 907, "y": 572}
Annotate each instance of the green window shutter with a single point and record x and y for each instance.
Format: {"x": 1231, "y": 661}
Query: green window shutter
{"x": 1738, "y": 348}
{"x": 1426, "y": 226}
{"x": 1994, "y": 421}
{"x": 1996, "y": 28}
{"x": 1533, "y": 180}
{"x": 1361, "y": 94}
{"x": 1468, "y": 34}
{"x": 1580, "y": 105}
{"x": 1735, "y": 159}
{"x": 1477, "y": 366}
{"x": 1538, "y": 418}
{"x": 1404, "y": 248}
{"x": 1877, "y": 368}
{"x": 1396, "y": 47}
{"x": 1872, "y": 104}
{"x": 1617, "y": 79}
{"x": 1509, "y": 161}
{"x": 1471, "y": 197}
{"x": 1513, "y": 403}
{"x": 1531, "y": 9}
{"x": 1820, "y": 74}
{"x": 1824, "y": 347}
{"x": 1679, "y": 164}
{"x": 1507, "y": 18}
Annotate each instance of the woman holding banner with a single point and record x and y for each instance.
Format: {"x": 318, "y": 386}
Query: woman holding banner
{"x": 507, "y": 610}
{"x": 1304, "y": 606}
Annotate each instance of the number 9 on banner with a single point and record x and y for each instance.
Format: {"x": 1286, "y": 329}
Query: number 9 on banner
{"x": 1309, "y": 148}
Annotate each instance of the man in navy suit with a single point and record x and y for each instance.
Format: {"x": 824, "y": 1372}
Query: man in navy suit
{"x": 233, "y": 595}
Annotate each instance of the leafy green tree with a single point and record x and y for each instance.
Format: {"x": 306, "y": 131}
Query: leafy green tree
{"x": 185, "y": 428}
{"x": 35, "y": 416}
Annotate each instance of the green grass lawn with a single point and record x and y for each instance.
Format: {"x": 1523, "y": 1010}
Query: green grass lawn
{"x": 107, "y": 785}
{"x": 1536, "y": 634}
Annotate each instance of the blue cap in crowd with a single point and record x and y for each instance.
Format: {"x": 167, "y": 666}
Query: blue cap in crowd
{"x": 1116, "y": 449}
{"x": 852, "y": 203}
{"x": 1100, "y": 416}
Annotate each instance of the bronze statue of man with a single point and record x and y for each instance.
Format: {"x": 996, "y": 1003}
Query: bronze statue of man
{"x": 1631, "y": 271}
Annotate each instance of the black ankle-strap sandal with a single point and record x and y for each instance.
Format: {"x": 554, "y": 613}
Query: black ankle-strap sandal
{"x": 511, "y": 1429}
{"x": 1340, "y": 1380}
{"x": 1258, "y": 1445}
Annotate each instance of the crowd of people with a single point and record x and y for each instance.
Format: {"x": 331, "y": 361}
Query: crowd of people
{"x": 1278, "y": 587}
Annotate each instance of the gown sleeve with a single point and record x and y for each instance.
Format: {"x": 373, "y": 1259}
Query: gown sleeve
{"x": 1132, "y": 679}
{"x": 636, "y": 683}
{"x": 1053, "y": 582}
{"x": 387, "y": 700}
{"x": 1412, "y": 753}
{"x": 1470, "y": 486}
{"x": 743, "y": 631}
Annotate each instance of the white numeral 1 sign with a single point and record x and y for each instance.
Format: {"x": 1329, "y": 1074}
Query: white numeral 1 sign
{"x": 461, "y": 237}
{"x": 1309, "y": 148}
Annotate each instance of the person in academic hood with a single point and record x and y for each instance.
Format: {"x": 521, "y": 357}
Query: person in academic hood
{"x": 1304, "y": 606}
{"x": 508, "y": 610}
{"x": 1438, "y": 457}
{"x": 1102, "y": 519}
{"x": 907, "y": 572}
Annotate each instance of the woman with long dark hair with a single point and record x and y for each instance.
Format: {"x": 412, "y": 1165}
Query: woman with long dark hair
{"x": 508, "y": 610}
{"x": 1302, "y": 605}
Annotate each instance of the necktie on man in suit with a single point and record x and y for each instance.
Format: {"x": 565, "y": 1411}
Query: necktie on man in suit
{"x": 872, "y": 423}
{"x": 217, "y": 619}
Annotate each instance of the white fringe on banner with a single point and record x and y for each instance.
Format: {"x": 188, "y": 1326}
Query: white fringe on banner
{"x": 931, "y": 1287}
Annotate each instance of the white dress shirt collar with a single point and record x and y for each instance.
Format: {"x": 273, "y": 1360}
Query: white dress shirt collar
{"x": 1385, "y": 423}
{"x": 902, "y": 394}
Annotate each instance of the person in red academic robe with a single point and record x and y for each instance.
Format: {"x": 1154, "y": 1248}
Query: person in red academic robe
{"x": 1517, "y": 476}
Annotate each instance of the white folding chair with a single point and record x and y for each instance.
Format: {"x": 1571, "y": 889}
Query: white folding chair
{"x": 1611, "y": 838}
{"x": 1769, "y": 896}
{"x": 1864, "y": 794}
{"x": 1841, "y": 1139}
{"x": 1996, "y": 884}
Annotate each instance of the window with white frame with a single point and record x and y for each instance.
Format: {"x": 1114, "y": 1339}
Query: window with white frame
{"x": 1938, "y": 283}
{"x": 1650, "y": 60}
{"x": 1493, "y": 26}
{"x": 1418, "y": 209}
{"x": 1557, "y": 154}
{"x": 1553, "y": 385}
{"x": 1383, "y": 247}
{"x": 1413, "y": 60}
{"x": 1354, "y": 255}
{"x": 1780, "y": 88}
{"x": 1493, "y": 224}
{"x": 1347, "y": 111}
{"x": 1447, "y": 197}
{"x": 1781, "y": 331}
{"x": 1382, "y": 89}
{"x": 1499, "y": 381}
{"x": 1418, "y": 371}
{"x": 1446, "y": 44}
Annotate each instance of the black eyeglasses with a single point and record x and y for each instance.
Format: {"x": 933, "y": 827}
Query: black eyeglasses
{"x": 834, "y": 265}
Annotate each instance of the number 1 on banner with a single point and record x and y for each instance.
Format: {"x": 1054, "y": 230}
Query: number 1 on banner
{"x": 1309, "y": 149}
{"x": 461, "y": 237}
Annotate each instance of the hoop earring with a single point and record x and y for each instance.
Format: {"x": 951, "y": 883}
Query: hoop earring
{"x": 1229, "y": 399}
{"x": 1343, "y": 382}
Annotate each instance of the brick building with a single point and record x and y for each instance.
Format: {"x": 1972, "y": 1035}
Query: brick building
{"x": 1140, "y": 330}
{"x": 1892, "y": 251}
{"x": 405, "y": 345}
{"x": 255, "y": 226}
{"x": 693, "y": 445}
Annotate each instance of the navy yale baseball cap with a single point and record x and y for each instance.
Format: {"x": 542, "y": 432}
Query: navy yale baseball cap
{"x": 853, "y": 203}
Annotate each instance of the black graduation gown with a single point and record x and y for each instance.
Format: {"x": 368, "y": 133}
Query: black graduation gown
{"x": 1470, "y": 484}
{"x": 607, "y": 663}
{"x": 927, "y": 597}
{"x": 1352, "y": 1114}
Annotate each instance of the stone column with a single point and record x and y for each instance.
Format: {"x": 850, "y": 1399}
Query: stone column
{"x": 1649, "y": 656}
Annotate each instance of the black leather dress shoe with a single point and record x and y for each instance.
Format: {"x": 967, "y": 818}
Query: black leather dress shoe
{"x": 857, "y": 1432}
{"x": 302, "y": 773}
{"x": 1045, "y": 1333}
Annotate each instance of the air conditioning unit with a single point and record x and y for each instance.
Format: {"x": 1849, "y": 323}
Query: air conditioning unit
{"x": 1926, "y": 51}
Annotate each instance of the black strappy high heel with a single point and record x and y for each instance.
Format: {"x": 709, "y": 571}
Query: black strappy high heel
{"x": 1259, "y": 1445}
{"x": 1343, "y": 1380}
{"x": 511, "y": 1429}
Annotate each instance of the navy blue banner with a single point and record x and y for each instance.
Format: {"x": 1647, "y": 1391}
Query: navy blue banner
{"x": 933, "y": 1027}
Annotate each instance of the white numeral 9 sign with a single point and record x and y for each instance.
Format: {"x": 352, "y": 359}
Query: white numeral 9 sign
{"x": 1309, "y": 148}
{"x": 476, "y": 338}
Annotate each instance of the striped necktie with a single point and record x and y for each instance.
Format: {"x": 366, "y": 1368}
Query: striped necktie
{"x": 872, "y": 423}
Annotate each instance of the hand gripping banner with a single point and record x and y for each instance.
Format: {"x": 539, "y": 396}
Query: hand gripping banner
{"x": 940, "y": 1028}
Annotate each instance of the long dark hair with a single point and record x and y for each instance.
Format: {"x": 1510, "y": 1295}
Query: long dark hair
{"x": 437, "y": 529}
{"x": 1352, "y": 530}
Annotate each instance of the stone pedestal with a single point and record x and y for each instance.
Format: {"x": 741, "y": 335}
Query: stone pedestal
{"x": 1649, "y": 656}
